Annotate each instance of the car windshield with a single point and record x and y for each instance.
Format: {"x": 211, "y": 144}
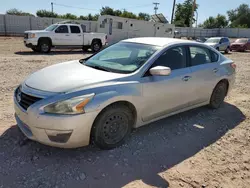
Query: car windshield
{"x": 241, "y": 40}
{"x": 122, "y": 57}
{"x": 51, "y": 28}
{"x": 213, "y": 40}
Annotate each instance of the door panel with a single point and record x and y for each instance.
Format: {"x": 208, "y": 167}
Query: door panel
{"x": 204, "y": 78}
{"x": 61, "y": 35}
{"x": 165, "y": 94}
{"x": 75, "y": 35}
{"x": 205, "y": 73}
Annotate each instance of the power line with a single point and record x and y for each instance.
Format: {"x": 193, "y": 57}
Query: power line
{"x": 69, "y": 6}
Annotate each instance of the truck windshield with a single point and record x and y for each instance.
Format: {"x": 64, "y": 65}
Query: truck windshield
{"x": 123, "y": 57}
{"x": 51, "y": 28}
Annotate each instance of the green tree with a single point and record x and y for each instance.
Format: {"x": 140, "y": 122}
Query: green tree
{"x": 143, "y": 16}
{"x": 45, "y": 13}
{"x": 107, "y": 11}
{"x": 240, "y": 17}
{"x": 69, "y": 16}
{"x": 127, "y": 14}
{"x": 183, "y": 13}
{"x": 215, "y": 22}
{"x": 17, "y": 12}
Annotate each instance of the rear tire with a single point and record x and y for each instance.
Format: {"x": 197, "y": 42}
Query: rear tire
{"x": 217, "y": 49}
{"x": 218, "y": 95}
{"x": 112, "y": 126}
{"x": 96, "y": 46}
{"x": 227, "y": 50}
{"x": 44, "y": 46}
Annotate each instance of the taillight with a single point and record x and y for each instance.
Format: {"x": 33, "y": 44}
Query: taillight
{"x": 233, "y": 65}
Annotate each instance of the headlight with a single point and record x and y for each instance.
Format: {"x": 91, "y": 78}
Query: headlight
{"x": 32, "y": 35}
{"x": 70, "y": 106}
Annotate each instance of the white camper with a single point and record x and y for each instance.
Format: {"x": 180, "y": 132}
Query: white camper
{"x": 118, "y": 28}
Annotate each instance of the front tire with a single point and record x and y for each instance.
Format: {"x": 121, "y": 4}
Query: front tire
{"x": 112, "y": 126}
{"x": 218, "y": 95}
{"x": 44, "y": 46}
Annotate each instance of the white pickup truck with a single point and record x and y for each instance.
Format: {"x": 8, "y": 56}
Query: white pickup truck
{"x": 64, "y": 35}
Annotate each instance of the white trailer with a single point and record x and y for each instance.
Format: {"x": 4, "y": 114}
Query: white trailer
{"x": 118, "y": 28}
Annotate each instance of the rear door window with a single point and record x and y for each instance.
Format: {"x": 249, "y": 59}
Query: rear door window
{"x": 214, "y": 56}
{"x": 199, "y": 55}
{"x": 74, "y": 29}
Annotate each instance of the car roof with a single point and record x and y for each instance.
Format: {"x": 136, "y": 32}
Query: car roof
{"x": 157, "y": 41}
{"x": 67, "y": 24}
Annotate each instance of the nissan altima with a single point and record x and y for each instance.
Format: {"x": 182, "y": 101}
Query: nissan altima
{"x": 101, "y": 98}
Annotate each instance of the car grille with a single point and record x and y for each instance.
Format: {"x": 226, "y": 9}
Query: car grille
{"x": 25, "y": 35}
{"x": 25, "y": 100}
{"x": 235, "y": 46}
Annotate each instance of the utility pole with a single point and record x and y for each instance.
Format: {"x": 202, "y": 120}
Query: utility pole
{"x": 172, "y": 18}
{"x": 192, "y": 14}
{"x": 52, "y": 8}
{"x": 156, "y": 7}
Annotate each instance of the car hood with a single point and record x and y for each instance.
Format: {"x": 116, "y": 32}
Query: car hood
{"x": 211, "y": 44}
{"x": 238, "y": 43}
{"x": 68, "y": 76}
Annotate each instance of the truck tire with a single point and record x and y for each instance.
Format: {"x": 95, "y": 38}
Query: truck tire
{"x": 96, "y": 46}
{"x": 44, "y": 45}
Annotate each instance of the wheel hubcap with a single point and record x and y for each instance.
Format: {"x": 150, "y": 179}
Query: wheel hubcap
{"x": 96, "y": 47}
{"x": 115, "y": 128}
{"x": 45, "y": 47}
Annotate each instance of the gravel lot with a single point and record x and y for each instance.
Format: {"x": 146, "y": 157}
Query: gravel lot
{"x": 173, "y": 152}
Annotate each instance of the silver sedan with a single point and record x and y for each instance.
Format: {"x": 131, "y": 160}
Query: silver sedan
{"x": 134, "y": 82}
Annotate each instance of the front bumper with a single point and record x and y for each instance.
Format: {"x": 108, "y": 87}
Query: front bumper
{"x": 30, "y": 42}
{"x": 65, "y": 131}
{"x": 237, "y": 48}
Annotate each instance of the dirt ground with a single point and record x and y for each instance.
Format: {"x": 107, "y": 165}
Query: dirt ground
{"x": 198, "y": 148}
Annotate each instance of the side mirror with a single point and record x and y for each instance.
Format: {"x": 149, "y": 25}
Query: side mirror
{"x": 220, "y": 42}
{"x": 160, "y": 71}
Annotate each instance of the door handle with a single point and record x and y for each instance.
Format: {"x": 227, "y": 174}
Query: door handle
{"x": 79, "y": 35}
{"x": 215, "y": 70}
{"x": 186, "y": 78}
{"x": 67, "y": 35}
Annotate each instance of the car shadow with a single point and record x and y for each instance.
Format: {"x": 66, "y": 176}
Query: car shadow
{"x": 54, "y": 52}
{"x": 151, "y": 149}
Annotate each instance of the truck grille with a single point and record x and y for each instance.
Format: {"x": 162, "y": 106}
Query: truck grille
{"x": 25, "y": 35}
{"x": 25, "y": 100}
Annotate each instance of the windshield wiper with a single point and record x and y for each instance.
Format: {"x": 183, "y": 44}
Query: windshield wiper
{"x": 98, "y": 67}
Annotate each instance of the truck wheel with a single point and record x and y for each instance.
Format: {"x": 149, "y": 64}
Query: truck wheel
{"x": 227, "y": 50}
{"x": 44, "y": 46}
{"x": 96, "y": 46}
